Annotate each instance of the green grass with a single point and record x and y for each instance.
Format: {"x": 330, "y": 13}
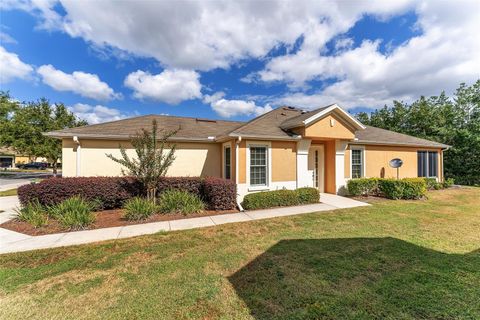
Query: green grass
{"x": 6, "y": 193}
{"x": 392, "y": 260}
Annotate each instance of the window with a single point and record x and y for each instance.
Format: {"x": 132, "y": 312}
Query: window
{"x": 227, "y": 162}
{"x": 357, "y": 163}
{"x": 315, "y": 172}
{"x": 427, "y": 163}
{"x": 258, "y": 166}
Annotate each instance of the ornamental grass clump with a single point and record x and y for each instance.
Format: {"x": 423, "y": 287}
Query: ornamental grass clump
{"x": 138, "y": 209}
{"x": 74, "y": 213}
{"x": 179, "y": 201}
{"x": 33, "y": 213}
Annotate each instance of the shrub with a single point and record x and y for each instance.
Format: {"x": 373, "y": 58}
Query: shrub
{"x": 33, "y": 213}
{"x": 447, "y": 183}
{"x": 308, "y": 195}
{"x": 138, "y": 208}
{"x": 408, "y": 188}
{"x": 363, "y": 186}
{"x": 74, "y": 213}
{"x": 110, "y": 192}
{"x": 270, "y": 199}
{"x": 432, "y": 183}
{"x": 179, "y": 201}
{"x": 220, "y": 194}
{"x": 192, "y": 185}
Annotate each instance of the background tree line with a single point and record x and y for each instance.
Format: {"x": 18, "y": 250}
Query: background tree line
{"x": 22, "y": 126}
{"x": 450, "y": 120}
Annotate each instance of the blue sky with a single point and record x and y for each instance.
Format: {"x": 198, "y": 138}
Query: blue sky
{"x": 233, "y": 60}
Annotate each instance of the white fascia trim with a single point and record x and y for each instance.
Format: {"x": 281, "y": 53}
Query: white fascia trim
{"x": 333, "y": 107}
{"x": 358, "y": 147}
{"x": 268, "y": 145}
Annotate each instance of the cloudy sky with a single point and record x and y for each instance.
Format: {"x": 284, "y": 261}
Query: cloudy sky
{"x": 109, "y": 59}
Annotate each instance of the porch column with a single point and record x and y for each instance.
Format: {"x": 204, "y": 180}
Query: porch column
{"x": 340, "y": 147}
{"x": 303, "y": 177}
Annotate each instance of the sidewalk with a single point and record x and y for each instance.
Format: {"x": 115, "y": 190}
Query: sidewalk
{"x": 15, "y": 242}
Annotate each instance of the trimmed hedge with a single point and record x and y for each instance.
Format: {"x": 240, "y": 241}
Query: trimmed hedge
{"x": 220, "y": 194}
{"x": 109, "y": 192}
{"x": 363, "y": 186}
{"x": 407, "y": 188}
{"x": 192, "y": 185}
{"x": 112, "y": 192}
{"x": 308, "y": 195}
{"x": 280, "y": 198}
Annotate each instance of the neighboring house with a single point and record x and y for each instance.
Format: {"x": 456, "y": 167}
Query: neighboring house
{"x": 284, "y": 148}
{"x": 8, "y": 158}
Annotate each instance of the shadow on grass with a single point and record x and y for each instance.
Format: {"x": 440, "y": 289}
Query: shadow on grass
{"x": 361, "y": 278}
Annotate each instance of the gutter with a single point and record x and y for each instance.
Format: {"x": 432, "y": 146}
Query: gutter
{"x": 79, "y": 156}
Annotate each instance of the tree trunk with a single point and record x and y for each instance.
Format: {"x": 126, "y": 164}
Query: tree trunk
{"x": 54, "y": 166}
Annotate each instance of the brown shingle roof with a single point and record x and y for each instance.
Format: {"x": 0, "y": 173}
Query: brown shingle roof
{"x": 268, "y": 125}
{"x": 298, "y": 120}
{"x": 382, "y": 136}
{"x": 188, "y": 128}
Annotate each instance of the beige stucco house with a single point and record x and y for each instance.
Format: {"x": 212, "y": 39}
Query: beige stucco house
{"x": 284, "y": 148}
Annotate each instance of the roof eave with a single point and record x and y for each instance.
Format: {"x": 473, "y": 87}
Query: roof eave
{"x": 253, "y": 136}
{"x": 60, "y": 135}
{"x": 440, "y": 145}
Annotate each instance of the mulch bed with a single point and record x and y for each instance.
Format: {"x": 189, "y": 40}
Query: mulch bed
{"x": 104, "y": 219}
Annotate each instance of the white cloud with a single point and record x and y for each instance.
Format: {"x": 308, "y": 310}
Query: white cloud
{"x": 231, "y": 108}
{"x": 170, "y": 86}
{"x": 203, "y": 35}
{"x": 445, "y": 54}
{"x": 6, "y": 38}
{"x": 96, "y": 114}
{"x": 12, "y": 67}
{"x": 85, "y": 84}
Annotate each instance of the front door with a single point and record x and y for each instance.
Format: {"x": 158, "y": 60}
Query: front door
{"x": 316, "y": 166}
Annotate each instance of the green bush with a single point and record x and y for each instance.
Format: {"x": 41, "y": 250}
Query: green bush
{"x": 363, "y": 187}
{"x": 179, "y": 201}
{"x": 280, "y": 198}
{"x": 33, "y": 213}
{"x": 408, "y": 188}
{"x": 432, "y": 184}
{"x": 74, "y": 213}
{"x": 138, "y": 209}
{"x": 308, "y": 195}
{"x": 270, "y": 199}
{"x": 447, "y": 183}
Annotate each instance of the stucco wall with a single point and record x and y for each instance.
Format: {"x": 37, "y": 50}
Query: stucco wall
{"x": 192, "y": 159}
{"x": 330, "y": 127}
{"x": 377, "y": 159}
{"x": 284, "y": 161}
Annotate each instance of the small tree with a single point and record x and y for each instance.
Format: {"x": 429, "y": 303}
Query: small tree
{"x": 152, "y": 162}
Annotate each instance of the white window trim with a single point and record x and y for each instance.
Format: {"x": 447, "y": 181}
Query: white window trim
{"x": 362, "y": 148}
{"x": 226, "y": 145}
{"x": 268, "y": 145}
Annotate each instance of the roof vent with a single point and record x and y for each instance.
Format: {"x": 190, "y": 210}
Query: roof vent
{"x": 288, "y": 108}
{"x": 283, "y": 114}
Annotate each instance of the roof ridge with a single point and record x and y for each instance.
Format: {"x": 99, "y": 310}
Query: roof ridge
{"x": 258, "y": 118}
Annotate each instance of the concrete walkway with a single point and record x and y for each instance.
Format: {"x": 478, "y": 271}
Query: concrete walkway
{"x": 15, "y": 242}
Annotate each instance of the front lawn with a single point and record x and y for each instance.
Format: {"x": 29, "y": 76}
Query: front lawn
{"x": 393, "y": 260}
{"x": 10, "y": 192}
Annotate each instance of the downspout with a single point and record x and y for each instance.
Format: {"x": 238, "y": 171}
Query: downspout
{"x": 79, "y": 155}
{"x": 237, "y": 143}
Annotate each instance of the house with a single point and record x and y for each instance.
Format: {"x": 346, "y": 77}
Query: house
{"x": 284, "y": 148}
{"x": 9, "y": 158}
